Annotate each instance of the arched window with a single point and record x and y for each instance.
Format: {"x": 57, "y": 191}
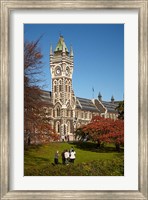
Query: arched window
{"x": 71, "y": 113}
{"x": 58, "y": 127}
{"x": 60, "y": 85}
{"x": 64, "y": 129}
{"x": 66, "y": 88}
{"x": 58, "y": 111}
{"x": 68, "y": 127}
{"x": 69, "y": 87}
{"x": 60, "y": 88}
{"x": 55, "y": 88}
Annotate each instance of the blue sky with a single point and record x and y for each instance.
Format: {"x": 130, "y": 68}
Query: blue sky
{"x": 98, "y": 55}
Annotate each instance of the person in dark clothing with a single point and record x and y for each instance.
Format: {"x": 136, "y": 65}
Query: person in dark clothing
{"x": 56, "y": 158}
{"x": 63, "y": 157}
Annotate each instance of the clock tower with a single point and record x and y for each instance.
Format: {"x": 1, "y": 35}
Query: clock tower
{"x": 61, "y": 67}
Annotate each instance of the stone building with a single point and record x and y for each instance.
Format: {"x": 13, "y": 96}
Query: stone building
{"x": 68, "y": 112}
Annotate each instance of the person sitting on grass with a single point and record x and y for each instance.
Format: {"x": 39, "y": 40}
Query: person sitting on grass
{"x": 66, "y": 154}
{"x": 56, "y": 158}
{"x": 72, "y": 156}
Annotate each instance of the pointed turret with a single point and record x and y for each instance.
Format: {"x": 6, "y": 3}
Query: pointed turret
{"x": 112, "y": 99}
{"x": 100, "y": 96}
{"x": 71, "y": 51}
{"x": 51, "y": 52}
{"x": 61, "y": 46}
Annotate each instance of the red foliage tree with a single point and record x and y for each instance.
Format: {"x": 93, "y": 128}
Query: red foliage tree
{"x": 37, "y": 126}
{"x": 104, "y": 131}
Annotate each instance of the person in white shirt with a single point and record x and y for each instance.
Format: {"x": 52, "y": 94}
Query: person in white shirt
{"x": 72, "y": 156}
{"x": 66, "y": 154}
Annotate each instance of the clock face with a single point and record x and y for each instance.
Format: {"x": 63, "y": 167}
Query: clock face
{"x": 58, "y": 71}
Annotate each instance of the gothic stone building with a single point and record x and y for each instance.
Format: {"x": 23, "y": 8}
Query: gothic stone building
{"x": 68, "y": 112}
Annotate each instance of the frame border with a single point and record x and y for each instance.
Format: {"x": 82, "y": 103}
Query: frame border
{"x": 142, "y": 6}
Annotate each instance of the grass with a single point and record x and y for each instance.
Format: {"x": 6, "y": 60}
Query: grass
{"x": 90, "y": 161}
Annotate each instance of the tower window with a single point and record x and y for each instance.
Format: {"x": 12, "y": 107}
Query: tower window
{"x": 60, "y": 88}
{"x": 64, "y": 129}
{"x": 66, "y": 88}
{"x": 58, "y": 111}
{"x": 55, "y": 88}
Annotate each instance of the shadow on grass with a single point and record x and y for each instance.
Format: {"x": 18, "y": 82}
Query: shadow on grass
{"x": 38, "y": 159}
{"x": 90, "y": 146}
{"x": 32, "y": 146}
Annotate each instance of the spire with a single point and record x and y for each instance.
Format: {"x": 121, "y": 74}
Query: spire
{"x": 63, "y": 48}
{"x": 112, "y": 99}
{"x": 51, "y": 53}
{"x": 100, "y": 96}
{"x": 61, "y": 45}
{"x": 71, "y": 51}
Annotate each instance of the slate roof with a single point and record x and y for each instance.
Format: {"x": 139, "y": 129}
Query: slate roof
{"x": 86, "y": 104}
{"x": 99, "y": 106}
{"x": 111, "y": 106}
{"x": 46, "y": 96}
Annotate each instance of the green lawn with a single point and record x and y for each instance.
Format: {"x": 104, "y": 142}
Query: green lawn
{"x": 38, "y": 160}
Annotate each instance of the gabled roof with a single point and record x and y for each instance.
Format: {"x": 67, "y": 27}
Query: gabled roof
{"x": 86, "y": 104}
{"x": 110, "y": 106}
{"x": 106, "y": 106}
{"x": 100, "y": 106}
{"x": 61, "y": 45}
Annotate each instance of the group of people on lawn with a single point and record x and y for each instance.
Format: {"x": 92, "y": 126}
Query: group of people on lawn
{"x": 67, "y": 156}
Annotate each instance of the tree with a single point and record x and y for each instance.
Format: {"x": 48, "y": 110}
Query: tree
{"x": 37, "y": 126}
{"x": 103, "y": 130}
{"x": 120, "y": 109}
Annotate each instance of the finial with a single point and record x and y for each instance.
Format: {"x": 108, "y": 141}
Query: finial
{"x": 51, "y": 53}
{"x": 71, "y": 51}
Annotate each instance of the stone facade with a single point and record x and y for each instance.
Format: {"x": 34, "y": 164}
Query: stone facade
{"x": 68, "y": 112}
